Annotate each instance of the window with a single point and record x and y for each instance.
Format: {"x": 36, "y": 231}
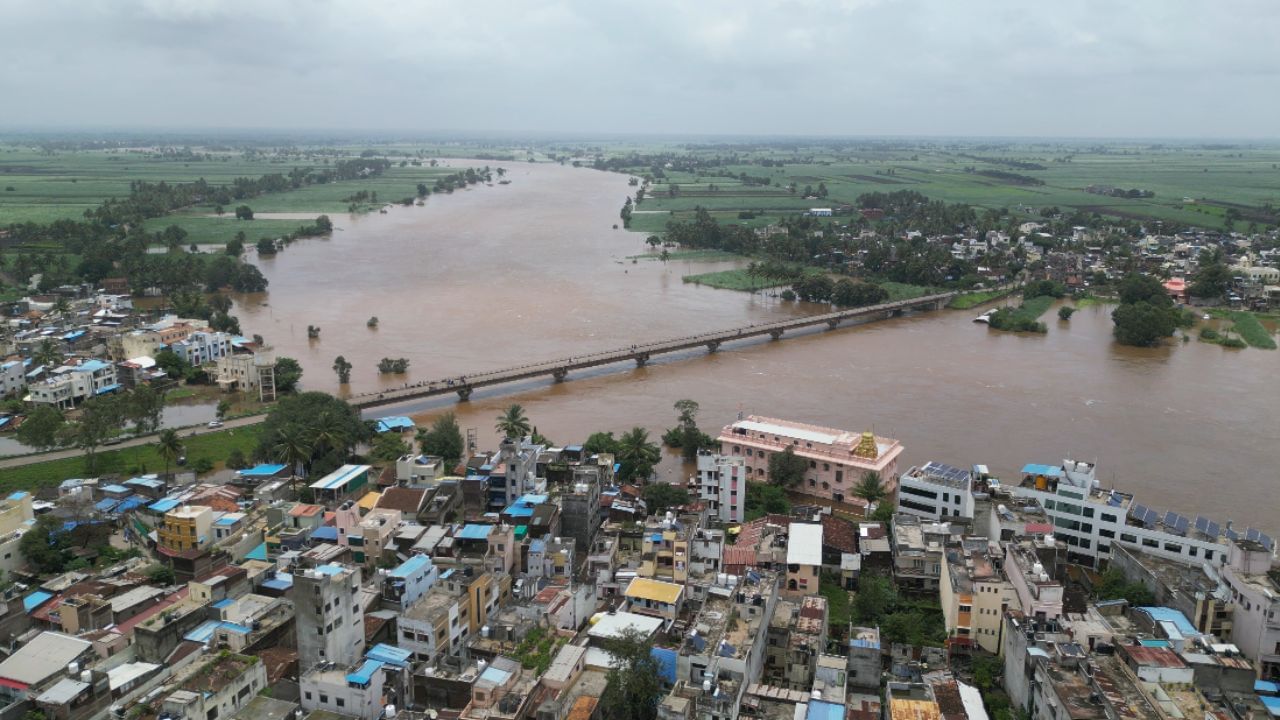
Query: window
{"x": 324, "y": 698}
{"x": 1193, "y": 551}
{"x": 1148, "y": 542}
{"x": 1208, "y": 554}
{"x": 1088, "y": 512}
{"x": 1108, "y": 517}
{"x": 1107, "y": 533}
{"x": 1126, "y": 537}
{"x": 1173, "y": 547}
{"x": 307, "y": 694}
{"x": 812, "y": 464}
{"x": 340, "y": 702}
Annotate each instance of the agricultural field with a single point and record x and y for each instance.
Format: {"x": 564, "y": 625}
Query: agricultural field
{"x": 1192, "y": 184}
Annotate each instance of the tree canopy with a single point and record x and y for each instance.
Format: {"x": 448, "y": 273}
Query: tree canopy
{"x": 321, "y": 429}
{"x": 786, "y": 469}
{"x": 443, "y": 439}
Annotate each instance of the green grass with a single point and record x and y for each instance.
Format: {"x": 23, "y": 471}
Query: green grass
{"x": 214, "y": 446}
{"x": 221, "y": 230}
{"x": 1251, "y": 331}
{"x": 1035, "y": 307}
{"x": 733, "y": 280}
{"x": 974, "y": 299}
{"x": 839, "y": 608}
{"x": 904, "y": 291}
{"x": 689, "y": 255}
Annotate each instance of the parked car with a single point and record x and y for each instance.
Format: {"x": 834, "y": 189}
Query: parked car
{"x": 215, "y": 423}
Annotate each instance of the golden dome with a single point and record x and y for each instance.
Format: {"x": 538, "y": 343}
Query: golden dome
{"x": 867, "y": 447}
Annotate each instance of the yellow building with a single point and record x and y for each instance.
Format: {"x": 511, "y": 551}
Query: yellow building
{"x": 974, "y": 596}
{"x": 654, "y": 597}
{"x": 187, "y": 528}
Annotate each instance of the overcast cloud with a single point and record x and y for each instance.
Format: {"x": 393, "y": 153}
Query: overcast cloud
{"x": 1147, "y": 68}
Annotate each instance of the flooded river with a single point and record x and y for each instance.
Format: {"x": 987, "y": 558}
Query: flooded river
{"x": 500, "y": 276}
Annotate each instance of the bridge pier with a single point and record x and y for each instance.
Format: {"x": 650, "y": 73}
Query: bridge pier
{"x": 464, "y": 393}
{"x": 776, "y": 334}
{"x": 832, "y": 323}
{"x": 560, "y": 374}
{"x": 713, "y": 346}
{"x": 642, "y": 359}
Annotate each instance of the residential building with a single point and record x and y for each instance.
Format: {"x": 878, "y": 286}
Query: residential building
{"x": 369, "y": 537}
{"x": 974, "y": 596}
{"x": 804, "y": 559}
{"x": 217, "y": 688}
{"x": 187, "y": 527}
{"x": 202, "y": 347}
{"x": 1039, "y": 595}
{"x": 936, "y": 491}
{"x": 917, "y": 553}
{"x": 837, "y": 459}
{"x": 1196, "y": 590}
{"x": 41, "y": 661}
{"x": 866, "y": 660}
{"x": 1090, "y": 519}
{"x": 1255, "y": 588}
{"x": 910, "y": 701}
{"x": 646, "y": 596}
{"x": 16, "y": 512}
{"x": 722, "y": 484}
{"x": 158, "y": 336}
{"x": 419, "y": 470}
{"x": 354, "y": 690}
{"x": 329, "y": 618}
{"x": 248, "y": 372}
{"x": 346, "y": 481}
{"x": 797, "y": 634}
{"x": 70, "y": 385}
{"x": 13, "y": 377}
{"x": 581, "y": 515}
{"x": 408, "y": 581}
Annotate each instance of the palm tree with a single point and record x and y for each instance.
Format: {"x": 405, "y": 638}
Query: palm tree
{"x": 870, "y": 488}
{"x": 169, "y": 447}
{"x": 329, "y": 433}
{"x": 513, "y": 423}
{"x": 47, "y": 353}
{"x": 293, "y": 449}
{"x": 61, "y": 306}
{"x": 637, "y": 455}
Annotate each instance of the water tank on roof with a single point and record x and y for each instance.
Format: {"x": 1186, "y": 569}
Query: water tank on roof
{"x": 389, "y": 712}
{"x": 1049, "y": 539}
{"x": 86, "y": 676}
{"x": 485, "y": 631}
{"x": 73, "y": 669}
{"x": 815, "y": 695}
{"x": 722, "y": 579}
{"x": 706, "y": 685}
{"x": 733, "y": 581}
{"x": 1002, "y": 509}
{"x": 1037, "y": 568}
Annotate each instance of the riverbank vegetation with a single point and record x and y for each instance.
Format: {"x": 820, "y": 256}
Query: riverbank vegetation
{"x": 1247, "y": 325}
{"x": 967, "y": 301}
{"x": 1146, "y": 314}
{"x": 1039, "y": 297}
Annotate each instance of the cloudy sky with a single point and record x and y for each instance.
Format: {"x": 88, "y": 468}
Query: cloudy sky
{"x": 1078, "y": 68}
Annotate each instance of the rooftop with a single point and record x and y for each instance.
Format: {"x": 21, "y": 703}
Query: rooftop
{"x": 654, "y": 590}
{"x": 218, "y": 673}
{"x": 804, "y": 544}
{"x": 44, "y": 656}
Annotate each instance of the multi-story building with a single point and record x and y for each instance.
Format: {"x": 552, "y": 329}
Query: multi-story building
{"x": 837, "y": 459}
{"x": 16, "y": 512}
{"x": 974, "y": 595}
{"x": 328, "y": 616}
{"x": 217, "y": 688}
{"x": 510, "y": 473}
{"x": 646, "y": 596}
{"x": 154, "y": 338}
{"x": 580, "y": 513}
{"x": 355, "y": 690}
{"x": 722, "y": 485}
{"x": 1198, "y": 592}
{"x": 797, "y": 634}
{"x": 202, "y": 347}
{"x": 369, "y": 537}
{"x": 1255, "y": 587}
{"x": 456, "y": 608}
{"x": 186, "y": 527}
{"x": 1090, "y": 520}
{"x": 664, "y": 550}
{"x": 1039, "y": 595}
{"x": 13, "y": 377}
{"x": 248, "y": 372}
{"x": 917, "y": 553}
{"x": 419, "y": 470}
{"x": 936, "y": 491}
{"x": 408, "y": 581}
{"x": 70, "y": 385}
{"x": 804, "y": 559}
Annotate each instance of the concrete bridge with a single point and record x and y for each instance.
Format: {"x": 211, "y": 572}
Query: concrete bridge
{"x": 464, "y": 385}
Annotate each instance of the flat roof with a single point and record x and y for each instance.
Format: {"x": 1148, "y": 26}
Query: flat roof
{"x": 164, "y": 505}
{"x": 45, "y": 655}
{"x": 389, "y": 654}
{"x": 411, "y": 566}
{"x": 613, "y": 625}
{"x": 340, "y": 477}
{"x": 63, "y": 692}
{"x": 655, "y": 590}
{"x": 781, "y": 430}
{"x": 474, "y": 532}
{"x": 364, "y": 673}
{"x": 265, "y": 470}
{"x": 804, "y": 544}
{"x": 1045, "y": 470}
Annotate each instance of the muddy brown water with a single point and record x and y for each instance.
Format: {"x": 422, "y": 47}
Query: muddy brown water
{"x": 500, "y": 276}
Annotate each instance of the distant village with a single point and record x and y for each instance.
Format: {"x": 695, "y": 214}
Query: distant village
{"x": 530, "y": 582}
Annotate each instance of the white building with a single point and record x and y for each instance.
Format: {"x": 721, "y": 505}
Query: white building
{"x": 1089, "y": 519}
{"x": 73, "y": 384}
{"x": 202, "y": 347}
{"x": 936, "y": 492}
{"x": 419, "y": 470}
{"x": 13, "y": 377}
{"x": 328, "y": 616}
{"x": 722, "y": 483}
{"x": 354, "y": 691}
{"x": 1255, "y": 588}
{"x": 245, "y": 372}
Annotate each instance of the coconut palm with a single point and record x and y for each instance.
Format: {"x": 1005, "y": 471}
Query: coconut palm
{"x": 330, "y": 434}
{"x": 870, "y": 488}
{"x": 637, "y": 454}
{"x": 293, "y": 449}
{"x": 513, "y": 423}
{"x": 169, "y": 447}
{"x": 47, "y": 353}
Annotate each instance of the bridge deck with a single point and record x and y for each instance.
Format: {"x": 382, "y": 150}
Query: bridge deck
{"x": 463, "y": 385}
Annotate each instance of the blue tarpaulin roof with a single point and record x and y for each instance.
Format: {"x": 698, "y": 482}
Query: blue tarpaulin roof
{"x": 365, "y": 672}
{"x": 113, "y": 488}
{"x": 1180, "y": 621}
{"x": 329, "y": 569}
{"x": 163, "y": 505}
{"x": 132, "y": 503}
{"x": 1272, "y": 704}
{"x": 395, "y": 422}
{"x": 18, "y": 495}
{"x": 282, "y": 582}
{"x": 475, "y": 532}
{"x": 538, "y": 546}
{"x": 106, "y": 389}
{"x": 35, "y": 600}
{"x": 325, "y": 533}
{"x": 1266, "y": 687}
{"x": 224, "y": 602}
{"x": 412, "y": 566}
{"x": 665, "y": 659}
{"x": 203, "y": 632}
{"x": 1045, "y": 470}
{"x": 258, "y": 553}
{"x": 262, "y": 471}
{"x": 389, "y": 654}
{"x": 105, "y": 505}
{"x": 823, "y": 710}
{"x": 147, "y": 482}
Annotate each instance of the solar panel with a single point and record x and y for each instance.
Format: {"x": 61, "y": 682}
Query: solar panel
{"x": 1202, "y": 524}
{"x": 1138, "y": 512}
{"x": 1232, "y": 534}
{"x": 1181, "y": 525}
{"x": 1251, "y": 534}
{"x": 1214, "y": 530}
{"x": 1152, "y": 516}
{"x": 1170, "y": 519}
{"x": 1266, "y": 540}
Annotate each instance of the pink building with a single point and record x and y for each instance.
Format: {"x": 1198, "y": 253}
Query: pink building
{"x": 838, "y": 459}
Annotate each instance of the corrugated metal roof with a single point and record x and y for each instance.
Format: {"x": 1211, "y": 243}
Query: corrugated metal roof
{"x": 655, "y": 590}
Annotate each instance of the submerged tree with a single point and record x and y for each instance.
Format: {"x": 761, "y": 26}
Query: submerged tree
{"x": 343, "y": 368}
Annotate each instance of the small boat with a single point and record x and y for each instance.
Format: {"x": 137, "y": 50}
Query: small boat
{"x": 984, "y": 317}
